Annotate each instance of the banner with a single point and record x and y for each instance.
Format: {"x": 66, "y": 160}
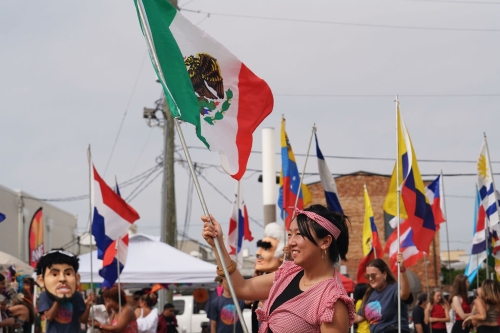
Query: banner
{"x": 36, "y": 249}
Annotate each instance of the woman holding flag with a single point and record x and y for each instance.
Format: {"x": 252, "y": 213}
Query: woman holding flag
{"x": 304, "y": 295}
{"x": 380, "y": 303}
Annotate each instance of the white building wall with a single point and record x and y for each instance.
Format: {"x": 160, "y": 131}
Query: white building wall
{"x": 59, "y": 225}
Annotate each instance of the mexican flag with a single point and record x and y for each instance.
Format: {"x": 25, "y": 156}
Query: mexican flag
{"x": 205, "y": 84}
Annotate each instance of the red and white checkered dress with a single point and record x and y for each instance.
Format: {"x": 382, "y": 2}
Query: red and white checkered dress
{"x": 306, "y": 312}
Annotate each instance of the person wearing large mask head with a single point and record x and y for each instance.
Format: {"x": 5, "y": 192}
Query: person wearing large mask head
{"x": 269, "y": 257}
{"x": 63, "y": 307}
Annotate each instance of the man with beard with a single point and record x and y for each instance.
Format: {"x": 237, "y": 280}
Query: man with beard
{"x": 62, "y": 305}
{"x": 269, "y": 257}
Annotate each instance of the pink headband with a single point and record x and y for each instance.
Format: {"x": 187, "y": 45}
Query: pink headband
{"x": 321, "y": 221}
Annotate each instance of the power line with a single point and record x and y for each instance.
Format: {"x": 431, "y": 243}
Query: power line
{"x": 460, "y": 2}
{"x": 389, "y": 95}
{"x": 363, "y": 157}
{"x": 367, "y": 25}
{"x": 124, "y": 115}
{"x": 227, "y": 199}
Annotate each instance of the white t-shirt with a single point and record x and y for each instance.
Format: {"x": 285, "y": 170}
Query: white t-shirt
{"x": 149, "y": 323}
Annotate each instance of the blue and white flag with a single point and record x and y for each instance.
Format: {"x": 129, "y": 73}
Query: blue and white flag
{"x": 487, "y": 193}
{"x": 478, "y": 252}
{"x": 2, "y": 217}
{"x": 331, "y": 193}
{"x": 112, "y": 217}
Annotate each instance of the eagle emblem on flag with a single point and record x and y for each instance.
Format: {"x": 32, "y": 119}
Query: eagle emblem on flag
{"x": 208, "y": 84}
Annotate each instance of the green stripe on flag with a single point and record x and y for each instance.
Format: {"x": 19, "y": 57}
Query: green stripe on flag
{"x": 160, "y": 14}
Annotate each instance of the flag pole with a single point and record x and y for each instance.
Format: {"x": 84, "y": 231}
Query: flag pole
{"x": 426, "y": 275}
{"x": 118, "y": 272}
{"x": 446, "y": 216}
{"x": 154, "y": 58}
{"x": 398, "y": 197}
{"x": 496, "y": 199}
{"x": 303, "y": 171}
{"x": 91, "y": 216}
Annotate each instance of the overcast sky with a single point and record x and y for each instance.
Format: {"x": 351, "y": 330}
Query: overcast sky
{"x": 71, "y": 71}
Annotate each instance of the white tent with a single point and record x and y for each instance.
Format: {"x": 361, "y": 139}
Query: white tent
{"x": 6, "y": 260}
{"x": 151, "y": 261}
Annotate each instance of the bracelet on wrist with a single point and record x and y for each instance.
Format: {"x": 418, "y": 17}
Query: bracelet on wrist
{"x": 230, "y": 269}
{"x": 402, "y": 269}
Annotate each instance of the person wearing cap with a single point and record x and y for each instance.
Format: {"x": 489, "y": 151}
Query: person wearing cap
{"x": 304, "y": 294}
{"x": 63, "y": 307}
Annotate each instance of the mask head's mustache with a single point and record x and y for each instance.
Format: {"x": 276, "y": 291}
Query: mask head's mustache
{"x": 264, "y": 245}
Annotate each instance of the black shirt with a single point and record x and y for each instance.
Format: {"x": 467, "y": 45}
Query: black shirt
{"x": 418, "y": 318}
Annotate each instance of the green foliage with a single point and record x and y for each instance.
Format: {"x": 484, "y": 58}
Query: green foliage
{"x": 454, "y": 272}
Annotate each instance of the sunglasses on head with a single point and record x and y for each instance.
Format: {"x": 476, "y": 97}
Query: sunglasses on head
{"x": 66, "y": 253}
{"x": 371, "y": 276}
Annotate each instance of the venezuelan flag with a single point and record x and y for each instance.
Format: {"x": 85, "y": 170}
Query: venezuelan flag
{"x": 371, "y": 241}
{"x": 290, "y": 181}
{"x": 415, "y": 206}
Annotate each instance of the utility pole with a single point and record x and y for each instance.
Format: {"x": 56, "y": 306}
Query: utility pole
{"x": 170, "y": 218}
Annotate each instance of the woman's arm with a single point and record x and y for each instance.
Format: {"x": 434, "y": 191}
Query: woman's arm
{"x": 340, "y": 322}
{"x": 256, "y": 288}
{"x": 427, "y": 313}
{"x": 446, "y": 313}
{"x": 358, "y": 318}
{"x": 127, "y": 316}
{"x": 405, "y": 283}
{"x": 481, "y": 312}
{"x": 456, "y": 305}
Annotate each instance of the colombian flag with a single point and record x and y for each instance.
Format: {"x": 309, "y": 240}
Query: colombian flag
{"x": 290, "y": 181}
{"x": 415, "y": 205}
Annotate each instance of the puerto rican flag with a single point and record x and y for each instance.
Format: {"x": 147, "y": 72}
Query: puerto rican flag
{"x": 239, "y": 227}
{"x": 434, "y": 192}
{"x": 407, "y": 247}
{"x": 111, "y": 219}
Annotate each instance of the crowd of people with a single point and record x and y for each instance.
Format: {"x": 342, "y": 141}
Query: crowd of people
{"x": 295, "y": 288}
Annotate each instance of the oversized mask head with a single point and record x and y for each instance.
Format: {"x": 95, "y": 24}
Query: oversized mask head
{"x": 269, "y": 255}
{"x": 57, "y": 273}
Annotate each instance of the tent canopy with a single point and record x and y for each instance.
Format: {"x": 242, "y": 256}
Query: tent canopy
{"x": 151, "y": 261}
{"x": 6, "y": 260}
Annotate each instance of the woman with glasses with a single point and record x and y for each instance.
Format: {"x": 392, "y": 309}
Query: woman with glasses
{"x": 380, "y": 303}
{"x": 305, "y": 294}
{"x": 437, "y": 312}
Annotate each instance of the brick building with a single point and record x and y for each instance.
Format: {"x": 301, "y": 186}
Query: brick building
{"x": 350, "y": 188}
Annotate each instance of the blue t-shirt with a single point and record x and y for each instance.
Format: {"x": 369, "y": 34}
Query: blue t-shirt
{"x": 381, "y": 310}
{"x": 68, "y": 315}
{"x": 222, "y": 310}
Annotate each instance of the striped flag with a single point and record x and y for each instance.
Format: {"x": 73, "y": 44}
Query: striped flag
{"x": 487, "y": 194}
{"x": 327, "y": 181}
{"x": 239, "y": 226}
{"x": 290, "y": 181}
{"x": 434, "y": 192}
{"x": 417, "y": 209}
{"x": 478, "y": 252}
{"x": 371, "y": 241}
{"x": 111, "y": 219}
{"x": 407, "y": 247}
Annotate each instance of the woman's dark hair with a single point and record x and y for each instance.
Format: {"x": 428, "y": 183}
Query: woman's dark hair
{"x": 459, "y": 287}
{"x": 421, "y": 298}
{"x": 339, "y": 247}
{"x": 491, "y": 292}
{"x": 383, "y": 268}
{"x": 112, "y": 293}
{"x": 2, "y": 277}
{"x": 28, "y": 304}
{"x": 359, "y": 291}
{"x": 150, "y": 299}
{"x": 57, "y": 256}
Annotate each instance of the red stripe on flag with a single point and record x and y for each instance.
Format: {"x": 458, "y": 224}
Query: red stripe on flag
{"x": 255, "y": 104}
